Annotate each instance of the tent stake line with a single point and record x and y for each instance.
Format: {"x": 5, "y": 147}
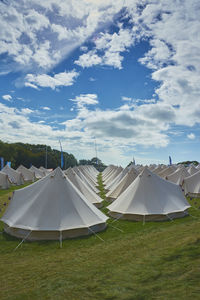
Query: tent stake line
{"x": 96, "y": 234}
{"x": 22, "y": 241}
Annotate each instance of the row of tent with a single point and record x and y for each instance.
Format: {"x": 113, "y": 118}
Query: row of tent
{"x": 142, "y": 195}
{"x": 55, "y": 208}
{"x": 9, "y": 176}
{"x": 65, "y": 204}
{"x": 116, "y": 179}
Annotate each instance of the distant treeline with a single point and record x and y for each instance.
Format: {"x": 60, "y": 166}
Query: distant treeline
{"x": 27, "y": 155}
{"x": 188, "y": 162}
{"x": 96, "y": 162}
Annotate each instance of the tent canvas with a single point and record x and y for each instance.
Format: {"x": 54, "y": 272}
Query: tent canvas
{"x": 50, "y": 206}
{"x": 150, "y": 197}
{"x": 4, "y": 181}
{"x": 14, "y": 176}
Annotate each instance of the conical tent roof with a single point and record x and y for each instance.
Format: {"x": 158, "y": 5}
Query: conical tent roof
{"x": 107, "y": 170}
{"x": 27, "y": 174}
{"x": 151, "y": 196}
{"x": 14, "y": 176}
{"x": 82, "y": 176}
{"x": 109, "y": 173}
{"x": 52, "y": 204}
{"x": 89, "y": 177}
{"x": 122, "y": 185}
{"x": 116, "y": 180}
{"x": 158, "y": 169}
{"x": 113, "y": 176}
{"x": 38, "y": 173}
{"x": 4, "y": 181}
{"x": 191, "y": 185}
{"x": 90, "y": 195}
{"x": 192, "y": 170}
{"x": 46, "y": 171}
{"x": 178, "y": 176}
{"x": 169, "y": 170}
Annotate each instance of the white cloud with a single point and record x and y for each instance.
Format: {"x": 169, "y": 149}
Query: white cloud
{"x": 191, "y": 136}
{"x": 126, "y": 98}
{"x": 37, "y": 35}
{"x": 7, "y": 97}
{"x": 28, "y": 84}
{"x": 107, "y": 49}
{"x": 174, "y": 55}
{"x": 92, "y": 79}
{"x": 89, "y": 59}
{"x": 85, "y": 99}
{"x": 84, "y": 48}
{"x": 46, "y": 108}
{"x": 36, "y": 39}
{"x": 26, "y": 111}
{"x": 58, "y": 80}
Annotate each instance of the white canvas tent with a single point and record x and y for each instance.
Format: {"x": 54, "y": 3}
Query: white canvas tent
{"x": 38, "y": 173}
{"x": 116, "y": 180}
{"x": 192, "y": 170}
{"x": 52, "y": 209}
{"x": 191, "y": 185}
{"x": 46, "y": 171}
{"x": 150, "y": 198}
{"x": 113, "y": 176}
{"x": 167, "y": 171}
{"x": 4, "y": 181}
{"x": 122, "y": 185}
{"x": 83, "y": 178}
{"x": 111, "y": 171}
{"x": 14, "y": 176}
{"x": 90, "y": 195}
{"x": 159, "y": 169}
{"x": 27, "y": 174}
{"x": 178, "y": 176}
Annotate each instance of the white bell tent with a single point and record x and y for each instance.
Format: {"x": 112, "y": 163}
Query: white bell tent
{"x": 191, "y": 185}
{"x": 27, "y": 174}
{"x": 14, "y": 176}
{"x": 52, "y": 209}
{"x": 150, "y": 198}
{"x": 90, "y": 195}
{"x": 4, "y": 181}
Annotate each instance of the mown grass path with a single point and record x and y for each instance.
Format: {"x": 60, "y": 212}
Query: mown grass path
{"x": 158, "y": 260}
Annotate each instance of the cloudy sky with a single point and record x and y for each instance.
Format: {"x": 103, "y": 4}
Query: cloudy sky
{"x": 125, "y": 72}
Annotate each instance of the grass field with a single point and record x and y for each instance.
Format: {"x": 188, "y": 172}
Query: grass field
{"x": 158, "y": 260}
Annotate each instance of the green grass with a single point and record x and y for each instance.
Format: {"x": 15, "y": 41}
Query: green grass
{"x": 158, "y": 260}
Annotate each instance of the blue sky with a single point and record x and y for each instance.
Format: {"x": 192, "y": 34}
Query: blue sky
{"x": 125, "y": 73}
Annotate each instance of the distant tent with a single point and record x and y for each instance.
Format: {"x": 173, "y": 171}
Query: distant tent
{"x": 83, "y": 177}
{"x": 159, "y": 169}
{"x": 192, "y": 170}
{"x": 178, "y": 176}
{"x": 14, "y": 176}
{"x": 46, "y": 171}
{"x": 122, "y": 185}
{"x": 92, "y": 179}
{"x": 89, "y": 194}
{"x": 150, "y": 198}
{"x": 191, "y": 185}
{"x": 28, "y": 175}
{"x": 116, "y": 180}
{"x": 113, "y": 176}
{"x": 4, "y": 181}
{"x": 51, "y": 209}
{"x": 38, "y": 172}
{"x": 169, "y": 170}
{"x": 107, "y": 170}
{"x": 111, "y": 171}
